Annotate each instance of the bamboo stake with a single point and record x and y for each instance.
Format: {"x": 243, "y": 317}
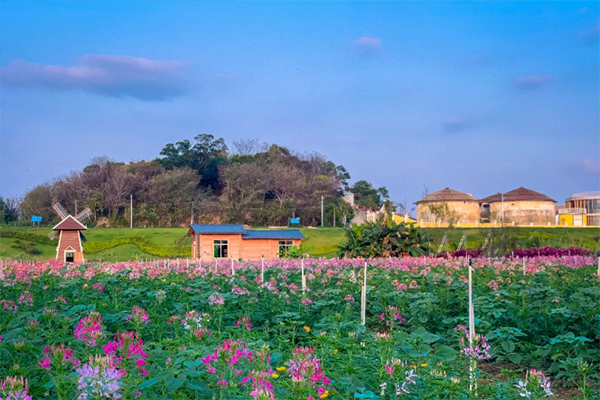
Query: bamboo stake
{"x": 304, "y": 277}
{"x": 471, "y": 325}
{"x": 363, "y": 305}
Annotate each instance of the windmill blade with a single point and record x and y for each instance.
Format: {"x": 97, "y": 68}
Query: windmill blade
{"x": 83, "y": 215}
{"x": 60, "y": 210}
{"x": 54, "y": 235}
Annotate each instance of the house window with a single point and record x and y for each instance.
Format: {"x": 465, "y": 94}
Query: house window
{"x": 221, "y": 248}
{"x": 69, "y": 256}
{"x": 284, "y": 245}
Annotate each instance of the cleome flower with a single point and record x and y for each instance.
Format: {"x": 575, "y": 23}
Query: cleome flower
{"x": 99, "y": 379}
{"x": 89, "y": 329}
{"x": 14, "y": 388}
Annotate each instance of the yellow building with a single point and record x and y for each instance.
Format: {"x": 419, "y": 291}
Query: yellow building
{"x": 448, "y": 206}
{"x": 518, "y": 207}
{"x": 581, "y": 209}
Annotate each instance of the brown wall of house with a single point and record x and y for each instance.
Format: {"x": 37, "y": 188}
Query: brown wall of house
{"x": 523, "y": 212}
{"x": 207, "y": 244}
{"x": 249, "y": 249}
{"x": 69, "y": 238}
{"x": 467, "y": 212}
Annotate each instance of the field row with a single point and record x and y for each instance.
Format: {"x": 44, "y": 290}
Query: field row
{"x": 173, "y": 330}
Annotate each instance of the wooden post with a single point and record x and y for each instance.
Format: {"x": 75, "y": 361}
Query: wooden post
{"x": 363, "y": 300}
{"x": 471, "y": 324}
{"x": 262, "y": 270}
{"x": 304, "y": 277}
{"x": 524, "y": 261}
{"x": 232, "y": 269}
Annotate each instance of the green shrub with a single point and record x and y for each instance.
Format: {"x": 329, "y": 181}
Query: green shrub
{"x": 31, "y": 237}
{"x": 28, "y": 248}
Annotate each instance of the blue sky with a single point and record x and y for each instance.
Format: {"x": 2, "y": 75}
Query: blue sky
{"x": 481, "y": 97}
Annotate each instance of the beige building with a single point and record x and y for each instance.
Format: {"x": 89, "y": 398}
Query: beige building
{"x": 448, "y": 206}
{"x": 519, "y": 207}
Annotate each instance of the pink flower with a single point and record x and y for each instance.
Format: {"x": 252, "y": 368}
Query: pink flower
{"x": 389, "y": 369}
{"x": 45, "y": 363}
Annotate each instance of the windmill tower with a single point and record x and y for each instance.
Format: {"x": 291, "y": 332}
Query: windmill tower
{"x": 68, "y": 230}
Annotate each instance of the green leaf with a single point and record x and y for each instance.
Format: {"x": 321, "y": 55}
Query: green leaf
{"x": 366, "y": 395}
{"x": 149, "y": 382}
{"x": 423, "y": 335}
{"x": 444, "y": 354}
{"x": 176, "y": 383}
{"x": 508, "y": 346}
{"x": 515, "y": 358}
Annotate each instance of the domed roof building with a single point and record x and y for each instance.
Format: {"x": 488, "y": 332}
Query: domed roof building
{"x": 448, "y": 206}
{"x": 520, "y": 206}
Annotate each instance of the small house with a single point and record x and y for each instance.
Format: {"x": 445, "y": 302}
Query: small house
{"x": 210, "y": 242}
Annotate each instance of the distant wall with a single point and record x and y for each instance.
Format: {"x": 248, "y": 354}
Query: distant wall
{"x": 467, "y": 212}
{"x": 524, "y": 212}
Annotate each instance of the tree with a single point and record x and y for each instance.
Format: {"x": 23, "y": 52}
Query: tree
{"x": 38, "y": 201}
{"x": 11, "y": 209}
{"x": 245, "y": 188}
{"x": 365, "y": 195}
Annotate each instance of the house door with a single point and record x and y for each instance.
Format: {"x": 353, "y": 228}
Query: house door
{"x": 577, "y": 220}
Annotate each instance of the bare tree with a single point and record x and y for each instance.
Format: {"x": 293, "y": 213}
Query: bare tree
{"x": 248, "y": 147}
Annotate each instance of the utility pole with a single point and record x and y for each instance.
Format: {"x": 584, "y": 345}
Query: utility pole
{"x": 502, "y": 195}
{"x": 192, "y": 218}
{"x": 131, "y": 211}
{"x": 322, "y": 221}
{"x": 75, "y": 206}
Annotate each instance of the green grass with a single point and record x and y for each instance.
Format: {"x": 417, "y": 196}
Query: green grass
{"x": 7, "y": 251}
{"x": 319, "y": 242}
{"x": 124, "y": 252}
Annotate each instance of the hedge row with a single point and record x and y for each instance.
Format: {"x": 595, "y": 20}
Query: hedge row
{"x": 143, "y": 244}
{"x": 30, "y": 237}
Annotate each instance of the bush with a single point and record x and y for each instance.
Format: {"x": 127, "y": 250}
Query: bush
{"x": 28, "y": 248}
{"x": 31, "y": 237}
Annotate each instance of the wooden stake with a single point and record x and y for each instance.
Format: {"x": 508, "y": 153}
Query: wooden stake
{"x": 471, "y": 325}
{"x": 363, "y": 305}
{"x": 304, "y": 277}
{"x": 262, "y": 270}
{"x": 232, "y": 269}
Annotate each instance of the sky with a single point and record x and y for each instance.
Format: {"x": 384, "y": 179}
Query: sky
{"x": 481, "y": 97}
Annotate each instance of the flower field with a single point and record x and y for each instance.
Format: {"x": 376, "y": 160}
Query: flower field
{"x": 247, "y": 330}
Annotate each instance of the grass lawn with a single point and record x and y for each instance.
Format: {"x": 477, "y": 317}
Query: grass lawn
{"x": 319, "y": 242}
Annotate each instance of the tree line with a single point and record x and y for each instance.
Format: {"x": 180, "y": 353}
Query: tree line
{"x": 203, "y": 181}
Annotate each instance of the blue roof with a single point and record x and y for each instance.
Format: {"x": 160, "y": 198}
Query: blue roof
{"x": 218, "y": 229}
{"x": 273, "y": 234}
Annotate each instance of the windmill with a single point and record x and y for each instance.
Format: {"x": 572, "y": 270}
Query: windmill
{"x": 68, "y": 230}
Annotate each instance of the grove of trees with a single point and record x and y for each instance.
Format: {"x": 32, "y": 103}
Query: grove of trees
{"x": 203, "y": 181}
